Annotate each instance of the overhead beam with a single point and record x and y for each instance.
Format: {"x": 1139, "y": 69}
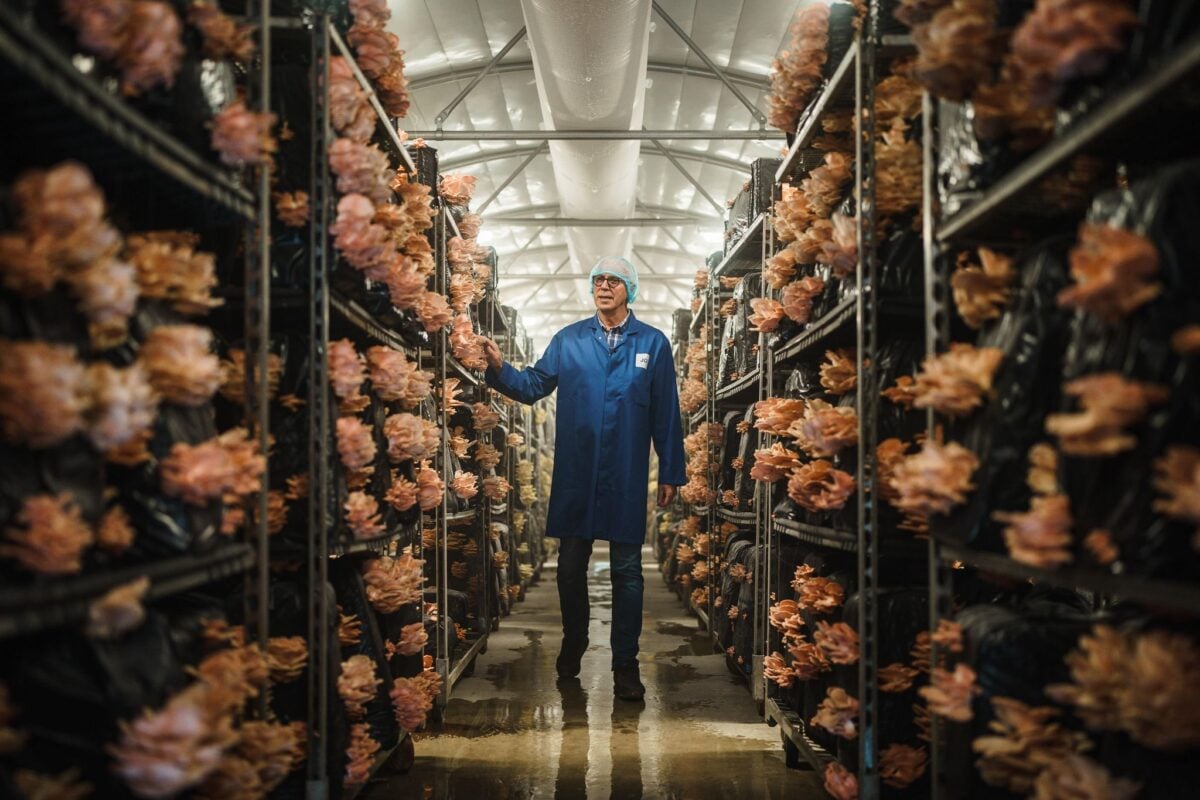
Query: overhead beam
{"x": 748, "y": 79}
{"x": 675, "y": 239}
{"x": 655, "y": 217}
{"x": 658, "y": 251}
{"x": 720, "y": 209}
{"x": 516, "y": 255}
{"x": 485, "y": 156}
{"x": 512, "y": 177}
{"x": 597, "y": 135}
{"x": 662, "y": 212}
{"x": 555, "y": 319}
{"x": 542, "y": 276}
{"x": 575, "y": 312}
{"x": 578, "y": 222}
{"x": 543, "y": 284}
{"x": 479, "y": 76}
{"x": 708, "y": 62}
{"x": 672, "y": 287}
{"x": 565, "y": 307}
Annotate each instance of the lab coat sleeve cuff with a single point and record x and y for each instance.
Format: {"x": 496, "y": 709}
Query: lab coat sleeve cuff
{"x": 508, "y": 381}
{"x": 502, "y": 378}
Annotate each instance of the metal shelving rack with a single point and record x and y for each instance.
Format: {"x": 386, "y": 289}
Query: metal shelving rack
{"x": 436, "y": 356}
{"x": 712, "y": 349}
{"x": 839, "y": 92}
{"x": 509, "y": 417}
{"x": 327, "y": 310}
{"x": 122, "y": 144}
{"x": 477, "y": 518}
{"x": 519, "y": 419}
{"x": 1125, "y": 116}
{"x": 858, "y": 320}
{"x": 125, "y": 148}
{"x": 867, "y": 405}
{"x": 1117, "y": 119}
{"x": 27, "y": 610}
{"x": 838, "y": 326}
{"x": 320, "y": 463}
{"x": 705, "y": 319}
{"x": 541, "y": 447}
{"x": 744, "y": 257}
{"x": 764, "y": 379}
{"x": 58, "y": 110}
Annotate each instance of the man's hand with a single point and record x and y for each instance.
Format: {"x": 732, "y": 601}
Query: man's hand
{"x": 491, "y": 352}
{"x": 666, "y": 494}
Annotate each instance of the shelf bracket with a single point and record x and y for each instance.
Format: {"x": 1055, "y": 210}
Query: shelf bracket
{"x": 665, "y": 153}
{"x": 682, "y": 247}
{"x": 759, "y": 117}
{"x": 537, "y": 151}
{"x": 479, "y": 76}
{"x": 525, "y": 247}
{"x": 542, "y": 285}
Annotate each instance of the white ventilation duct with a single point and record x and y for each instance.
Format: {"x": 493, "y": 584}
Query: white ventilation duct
{"x": 589, "y": 58}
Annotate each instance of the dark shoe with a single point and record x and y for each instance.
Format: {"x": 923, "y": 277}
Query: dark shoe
{"x": 627, "y": 684}
{"x": 570, "y": 658}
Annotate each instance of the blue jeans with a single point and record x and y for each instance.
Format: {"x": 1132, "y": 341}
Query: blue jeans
{"x": 627, "y": 584}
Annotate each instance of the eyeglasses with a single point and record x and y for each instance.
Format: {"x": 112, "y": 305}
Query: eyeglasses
{"x": 612, "y": 280}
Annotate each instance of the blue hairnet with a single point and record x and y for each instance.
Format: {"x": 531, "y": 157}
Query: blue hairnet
{"x": 622, "y": 268}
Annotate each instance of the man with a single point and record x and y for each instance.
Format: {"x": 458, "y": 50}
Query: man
{"x": 617, "y": 393}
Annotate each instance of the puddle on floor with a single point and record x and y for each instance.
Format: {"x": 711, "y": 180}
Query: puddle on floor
{"x": 514, "y": 731}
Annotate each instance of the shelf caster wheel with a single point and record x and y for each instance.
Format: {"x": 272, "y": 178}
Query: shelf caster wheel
{"x": 483, "y": 648}
{"x": 791, "y": 755}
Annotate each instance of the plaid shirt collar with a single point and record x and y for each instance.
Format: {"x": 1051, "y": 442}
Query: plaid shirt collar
{"x": 616, "y": 334}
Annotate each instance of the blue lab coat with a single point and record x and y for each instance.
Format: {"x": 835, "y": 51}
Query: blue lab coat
{"x": 610, "y": 407}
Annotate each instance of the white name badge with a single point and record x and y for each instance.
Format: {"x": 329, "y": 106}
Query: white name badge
{"x": 643, "y": 360}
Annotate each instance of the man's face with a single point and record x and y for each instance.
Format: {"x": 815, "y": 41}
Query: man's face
{"x": 608, "y": 292}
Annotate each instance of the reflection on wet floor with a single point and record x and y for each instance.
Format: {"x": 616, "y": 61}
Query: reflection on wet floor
{"x": 513, "y": 730}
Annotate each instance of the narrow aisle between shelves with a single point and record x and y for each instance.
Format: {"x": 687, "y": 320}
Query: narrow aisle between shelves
{"x": 512, "y": 730}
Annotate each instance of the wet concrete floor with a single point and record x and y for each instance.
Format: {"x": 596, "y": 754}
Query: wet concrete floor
{"x": 511, "y": 730}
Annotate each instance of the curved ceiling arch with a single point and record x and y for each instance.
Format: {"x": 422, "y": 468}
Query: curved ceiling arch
{"x": 748, "y": 79}
{"x": 669, "y": 214}
{"x": 559, "y": 248}
{"x": 483, "y": 157}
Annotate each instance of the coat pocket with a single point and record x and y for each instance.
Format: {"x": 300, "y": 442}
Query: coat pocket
{"x": 639, "y": 390}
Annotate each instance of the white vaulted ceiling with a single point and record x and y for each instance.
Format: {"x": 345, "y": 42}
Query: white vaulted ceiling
{"x": 448, "y": 41}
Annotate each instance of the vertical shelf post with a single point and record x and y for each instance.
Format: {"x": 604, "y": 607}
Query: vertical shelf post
{"x": 319, "y": 455}
{"x": 867, "y": 405}
{"x": 257, "y": 326}
{"x": 445, "y": 623}
{"x": 937, "y": 336}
